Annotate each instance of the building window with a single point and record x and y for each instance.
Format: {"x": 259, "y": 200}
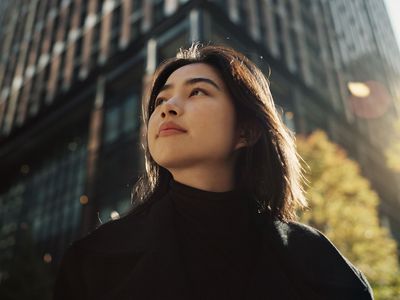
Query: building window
{"x": 83, "y": 12}
{"x": 112, "y": 126}
{"x": 95, "y": 47}
{"x": 173, "y": 39}
{"x": 130, "y": 114}
{"x": 260, "y": 16}
{"x": 243, "y": 14}
{"x": 60, "y": 75}
{"x": 115, "y": 29}
{"x": 136, "y": 19}
{"x": 158, "y": 11}
{"x": 42, "y": 199}
{"x": 122, "y": 117}
{"x": 53, "y": 184}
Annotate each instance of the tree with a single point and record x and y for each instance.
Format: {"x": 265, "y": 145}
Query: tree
{"x": 344, "y": 207}
{"x": 393, "y": 151}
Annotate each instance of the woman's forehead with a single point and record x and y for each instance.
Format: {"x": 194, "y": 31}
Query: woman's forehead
{"x": 194, "y": 70}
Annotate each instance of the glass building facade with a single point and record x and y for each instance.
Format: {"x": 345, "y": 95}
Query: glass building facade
{"x": 72, "y": 74}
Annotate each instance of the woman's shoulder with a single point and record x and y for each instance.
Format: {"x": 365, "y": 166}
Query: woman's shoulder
{"x": 113, "y": 235}
{"x": 315, "y": 255}
{"x": 307, "y": 241}
{"x": 116, "y": 244}
{"x": 300, "y": 236}
{"x": 127, "y": 234}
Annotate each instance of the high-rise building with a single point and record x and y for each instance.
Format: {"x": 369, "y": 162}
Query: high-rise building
{"x": 364, "y": 49}
{"x": 72, "y": 74}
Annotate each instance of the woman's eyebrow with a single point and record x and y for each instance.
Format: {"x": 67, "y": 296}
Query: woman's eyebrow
{"x": 192, "y": 81}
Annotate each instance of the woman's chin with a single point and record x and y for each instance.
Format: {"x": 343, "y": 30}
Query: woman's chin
{"x": 171, "y": 163}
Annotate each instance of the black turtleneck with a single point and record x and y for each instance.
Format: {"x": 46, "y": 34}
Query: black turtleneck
{"x": 217, "y": 239}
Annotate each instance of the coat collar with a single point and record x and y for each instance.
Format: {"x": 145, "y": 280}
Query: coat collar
{"x": 160, "y": 272}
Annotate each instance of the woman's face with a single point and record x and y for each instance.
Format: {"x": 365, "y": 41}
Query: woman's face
{"x": 195, "y": 98}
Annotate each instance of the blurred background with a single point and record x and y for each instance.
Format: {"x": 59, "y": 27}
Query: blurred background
{"x": 72, "y": 74}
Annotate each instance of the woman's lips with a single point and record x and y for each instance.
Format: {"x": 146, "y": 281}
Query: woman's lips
{"x": 170, "y": 131}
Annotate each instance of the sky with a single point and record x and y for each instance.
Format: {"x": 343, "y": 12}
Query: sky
{"x": 393, "y": 7}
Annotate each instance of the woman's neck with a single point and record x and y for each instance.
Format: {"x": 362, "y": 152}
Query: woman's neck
{"x": 212, "y": 180}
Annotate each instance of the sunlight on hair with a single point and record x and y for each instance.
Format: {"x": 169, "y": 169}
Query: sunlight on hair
{"x": 191, "y": 53}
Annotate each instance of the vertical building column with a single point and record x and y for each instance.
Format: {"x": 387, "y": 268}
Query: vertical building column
{"x": 327, "y": 59}
{"x": 5, "y": 47}
{"x": 151, "y": 64}
{"x": 5, "y": 50}
{"x": 170, "y": 6}
{"x": 233, "y": 10}
{"x": 87, "y": 32}
{"x": 298, "y": 30}
{"x": 254, "y": 21}
{"x": 3, "y": 107}
{"x": 30, "y": 70}
{"x": 151, "y": 59}
{"x": 342, "y": 80}
{"x": 93, "y": 151}
{"x": 196, "y": 25}
{"x": 44, "y": 61}
{"x": 147, "y": 8}
{"x": 105, "y": 35}
{"x": 58, "y": 49}
{"x": 286, "y": 20}
{"x": 73, "y": 36}
{"x": 268, "y": 11}
{"x": 320, "y": 33}
{"x": 303, "y": 48}
{"x": 126, "y": 23}
{"x": 18, "y": 73}
{"x": 6, "y": 42}
{"x": 337, "y": 21}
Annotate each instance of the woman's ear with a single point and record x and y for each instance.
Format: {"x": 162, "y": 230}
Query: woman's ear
{"x": 247, "y": 137}
{"x": 241, "y": 143}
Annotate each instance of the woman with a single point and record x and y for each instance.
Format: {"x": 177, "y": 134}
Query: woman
{"x": 214, "y": 214}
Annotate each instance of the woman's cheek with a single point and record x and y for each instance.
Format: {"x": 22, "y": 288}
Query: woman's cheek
{"x": 150, "y": 137}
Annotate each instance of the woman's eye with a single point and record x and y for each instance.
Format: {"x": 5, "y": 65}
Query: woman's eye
{"x": 158, "y": 101}
{"x": 197, "y": 90}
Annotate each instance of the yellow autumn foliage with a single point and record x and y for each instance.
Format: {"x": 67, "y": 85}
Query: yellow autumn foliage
{"x": 344, "y": 207}
{"x": 393, "y": 151}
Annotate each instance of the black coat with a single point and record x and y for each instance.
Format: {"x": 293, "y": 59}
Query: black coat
{"x": 136, "y": 257}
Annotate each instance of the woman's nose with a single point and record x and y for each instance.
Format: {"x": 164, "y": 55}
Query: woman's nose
{"x": 170, "y": 107}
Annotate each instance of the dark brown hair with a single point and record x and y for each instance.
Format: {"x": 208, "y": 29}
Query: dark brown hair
{"x": 268, "y": 167}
